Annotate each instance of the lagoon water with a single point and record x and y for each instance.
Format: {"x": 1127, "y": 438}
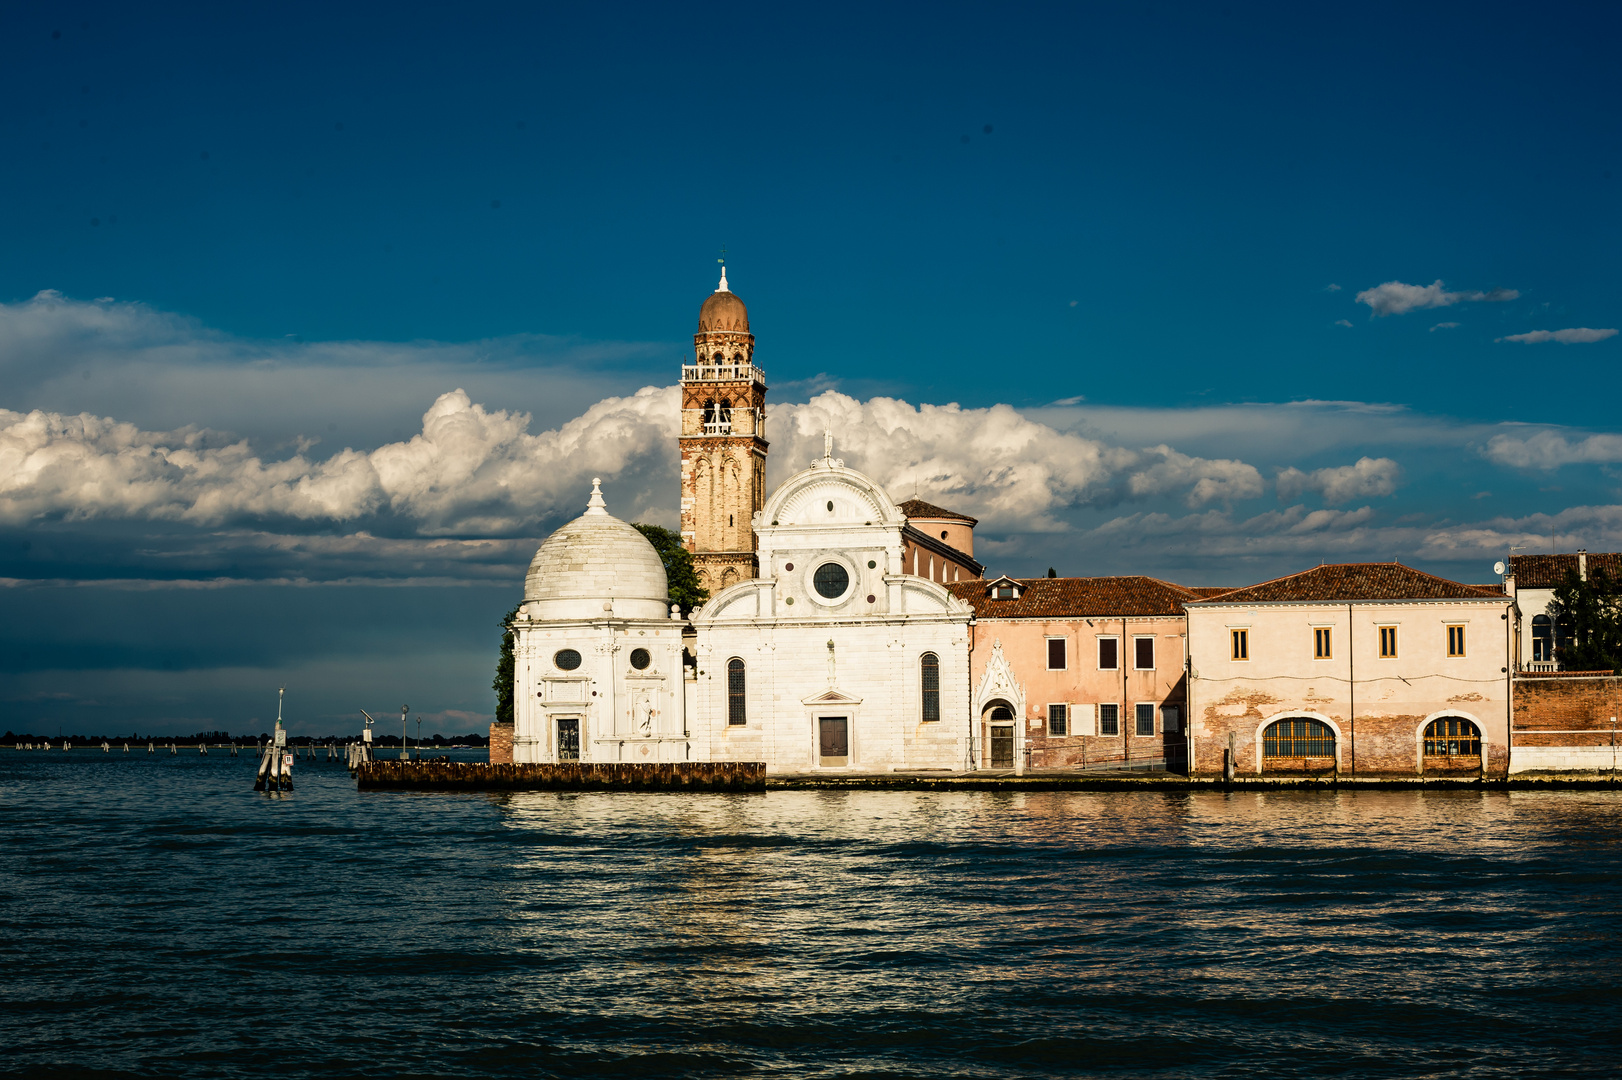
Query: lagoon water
{"x": 158, "y": 918}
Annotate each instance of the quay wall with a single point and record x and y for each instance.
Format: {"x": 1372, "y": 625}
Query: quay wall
{"x": 561, "y": 776}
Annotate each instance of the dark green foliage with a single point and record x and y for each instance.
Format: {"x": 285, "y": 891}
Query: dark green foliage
{"x": 1588, "y": 623}
{"x": 1051, "y": 573}
{"x": 503, "y": 684}
{"x": 684, "y": 587}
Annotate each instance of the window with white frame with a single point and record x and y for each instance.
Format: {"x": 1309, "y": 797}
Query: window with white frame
{"x": 1058, "y": 719}
{"x": 1109, "y": 719}
{"x": 1109, "y": 653}
{"x": 1056, "y": 657}
{"x": 1143, "y": 653}
{"x": 1239, "y": 643}
{"x": 1145, "y": 719}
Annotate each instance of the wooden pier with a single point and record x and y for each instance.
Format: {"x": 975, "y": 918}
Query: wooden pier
{"x": 565, "y": 776}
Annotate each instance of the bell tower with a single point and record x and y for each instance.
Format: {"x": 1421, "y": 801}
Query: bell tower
{"x": 723, "y": 443}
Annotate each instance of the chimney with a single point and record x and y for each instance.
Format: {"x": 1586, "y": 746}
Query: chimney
{"x": 1582, "y": 563}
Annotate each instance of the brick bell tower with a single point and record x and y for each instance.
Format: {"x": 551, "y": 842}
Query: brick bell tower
{"x": 723, "y": 443}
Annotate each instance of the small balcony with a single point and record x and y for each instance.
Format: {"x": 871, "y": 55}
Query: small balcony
{"x": 722, "y": 373}
{"x": 720, "y": 427}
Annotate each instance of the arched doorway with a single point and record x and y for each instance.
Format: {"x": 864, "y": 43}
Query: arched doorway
{"x": 999, "y": 717}
{"x": 1451, "y": 742}
{"x": 1298, "y": 744}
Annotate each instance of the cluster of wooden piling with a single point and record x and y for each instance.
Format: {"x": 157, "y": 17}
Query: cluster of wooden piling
{"x": 562, "y": 776}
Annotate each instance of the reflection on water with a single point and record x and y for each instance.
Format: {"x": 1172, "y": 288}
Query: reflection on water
{"x": 157, "y": 918}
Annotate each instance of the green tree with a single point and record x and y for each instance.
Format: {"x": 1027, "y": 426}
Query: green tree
{"x": 1588, "y": 622}
{"x": 503, "y": 684}
{"x": 684, "y": 587}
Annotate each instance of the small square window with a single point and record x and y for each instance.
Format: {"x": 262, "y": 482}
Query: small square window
{"x": 1241, "y": 644}
{"x": 1145, "y": 719}
{"x": 1455, "y": 641}
{"x": 1109, "y": 719}
{"x": 1388, "y": 642}
{"x": 1058, "y": 720}
{"x": 1143, "y": 653}
{"x": 1323, "y": 643}
{"x": 1109, "y": 653}
{"x": 1056, "y": 659}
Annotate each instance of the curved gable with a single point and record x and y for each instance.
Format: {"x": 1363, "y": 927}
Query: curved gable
{"x": 804, "y": 498}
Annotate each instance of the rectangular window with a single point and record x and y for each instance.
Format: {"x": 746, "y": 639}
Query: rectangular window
{"x": 1455, "y": 641}
{"x": 1322, "y": 640}
{"x": 1109, "y": 719}
{"x": 1056, "y": 654}
{"x": 1171, "y": 718}
{"x": 1109, "y": 653}
{"x": 1146, "y": 719}
{"x": 1058, "y": 720}
{"x": 1143, "y": 653}
{"x": 1241, "y": 644}
{"x": 1388, "y": 642}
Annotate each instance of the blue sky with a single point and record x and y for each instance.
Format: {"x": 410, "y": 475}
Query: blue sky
{"x": 1176, "y": 265}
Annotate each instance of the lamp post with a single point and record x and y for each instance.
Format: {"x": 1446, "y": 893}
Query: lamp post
{"x": 419, "y": 733}
{"x": 405, "y": 752}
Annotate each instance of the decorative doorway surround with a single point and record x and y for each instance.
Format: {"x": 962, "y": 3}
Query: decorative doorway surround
{"x": 998, "y": 685}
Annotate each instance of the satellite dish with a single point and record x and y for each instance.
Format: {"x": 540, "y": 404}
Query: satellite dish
{"x": 1498, "y": 568}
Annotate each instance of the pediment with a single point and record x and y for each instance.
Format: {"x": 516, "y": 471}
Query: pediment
{"x": 831, "y": 696}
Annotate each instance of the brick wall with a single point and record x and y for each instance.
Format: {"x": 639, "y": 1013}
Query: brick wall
{"x": 1564, "y": 722}
{"x": 501, "y": 744}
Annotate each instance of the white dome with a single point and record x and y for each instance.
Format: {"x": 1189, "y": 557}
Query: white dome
{"x": 593, "y": 561}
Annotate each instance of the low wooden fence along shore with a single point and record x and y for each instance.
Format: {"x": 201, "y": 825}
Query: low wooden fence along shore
{"x": 564, "y": 776}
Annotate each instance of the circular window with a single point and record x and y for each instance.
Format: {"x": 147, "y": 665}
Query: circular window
{"x": 566, "y": 659}
{"x": 831, "y": 580}
{"x": 640, "y": 659}
{"x": 943, "y": 534}
{"x": 871, "y": 565}
{"x": 788, "y": 566}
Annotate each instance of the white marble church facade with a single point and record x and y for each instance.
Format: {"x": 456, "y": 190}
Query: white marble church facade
{"x": 832, "y": 659}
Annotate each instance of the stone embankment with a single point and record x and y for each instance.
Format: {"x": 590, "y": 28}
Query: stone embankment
{"x": 565, "y": 776}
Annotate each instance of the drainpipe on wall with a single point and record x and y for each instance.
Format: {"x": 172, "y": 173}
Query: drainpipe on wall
{"x": 1126, "y": 736}
{"x": 1512, "y": 633}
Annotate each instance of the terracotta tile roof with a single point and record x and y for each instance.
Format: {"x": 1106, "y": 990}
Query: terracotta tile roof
{"x": 1355, "y": 581}
{"x": 1549, "y": 571}
{"x": 1077, "y": 598}
{"x": 1207, "y": 591}
{"x": 917, "y": 508}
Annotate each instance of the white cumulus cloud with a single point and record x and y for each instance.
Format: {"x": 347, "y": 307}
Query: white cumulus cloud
{"x": 1576, "y": 335}
{"x": 1395, "y": 298}
{"x": 1550, "y": 450}
{"x": 469, "y": 470}
{"x": 1367, "y": 477}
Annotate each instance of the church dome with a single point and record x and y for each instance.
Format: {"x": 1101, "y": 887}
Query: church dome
{"x": 723, "y": 310}
{"x": 594, "y": 561}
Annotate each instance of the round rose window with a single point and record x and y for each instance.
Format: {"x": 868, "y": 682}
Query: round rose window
{"x": 640, "y": 659}
{"x": 831, "y": 581}
{"x": 566, "y": 659}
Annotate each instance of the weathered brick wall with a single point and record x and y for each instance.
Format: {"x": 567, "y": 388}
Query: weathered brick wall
{"x": 501, "y": 744}
{"x": 1566, "y": 722}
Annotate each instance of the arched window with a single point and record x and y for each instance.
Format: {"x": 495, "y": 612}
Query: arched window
{"x": 1298, "y": 737}
{"x": 1542, "y": 638}
{"x": 1452, "y": 736}
{"x": 1002, "y": 712}
{"x": 735, "y": 706}
{"x": 930, "y": 673}
{"x": 709, "y": 411}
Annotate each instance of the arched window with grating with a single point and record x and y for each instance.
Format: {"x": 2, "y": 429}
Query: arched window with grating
{"x": 1452, "y": 736}
{"x": 1298, "y": 737}
{"x": 736, "y": 713}
{"x": 930, "y": 674}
